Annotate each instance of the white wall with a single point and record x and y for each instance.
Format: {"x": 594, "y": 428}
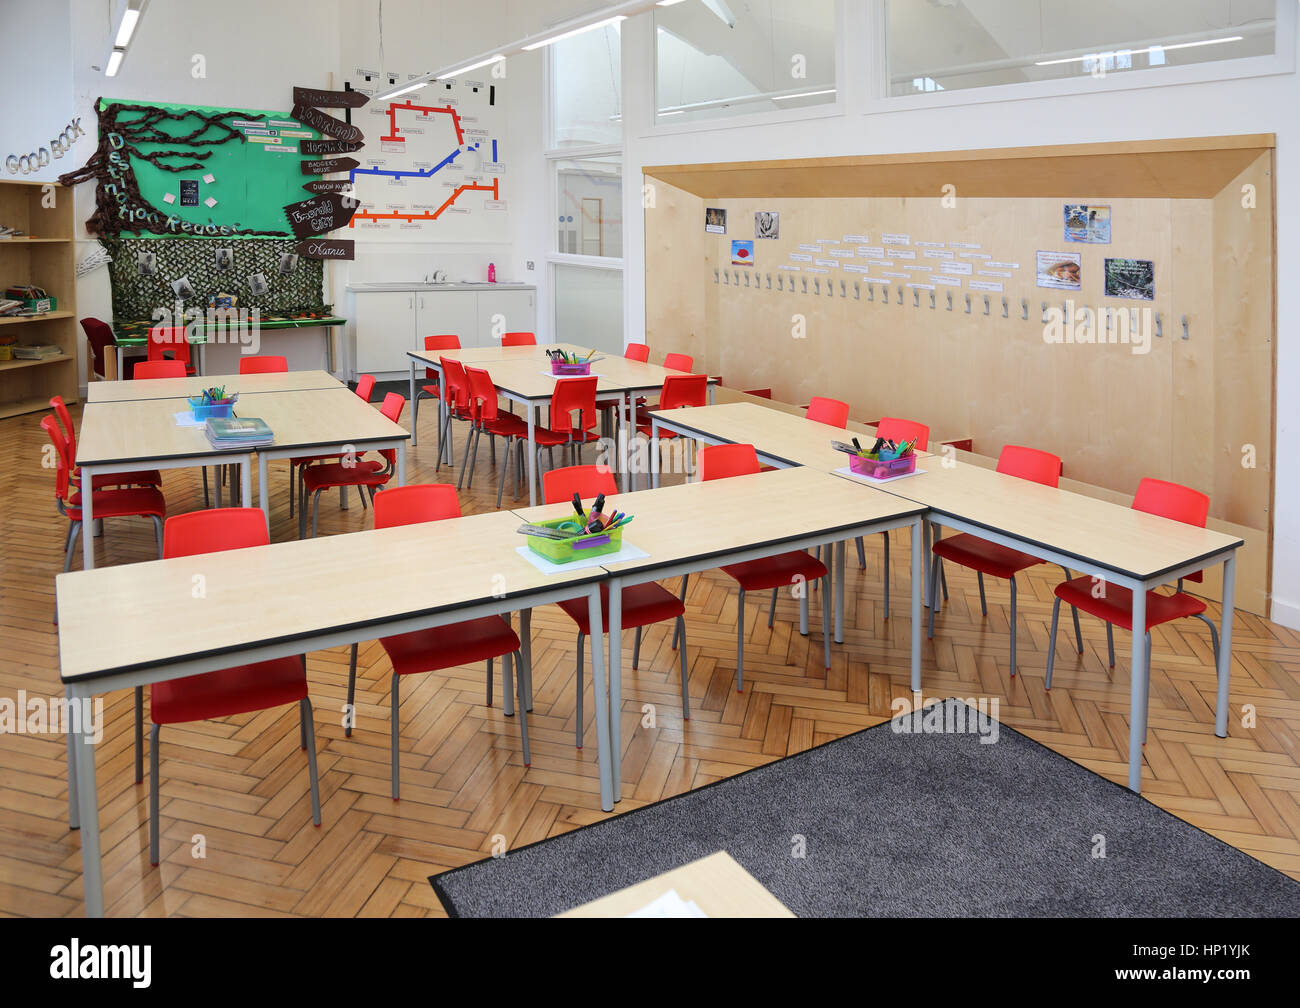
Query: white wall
{"x": 36, "y": 80}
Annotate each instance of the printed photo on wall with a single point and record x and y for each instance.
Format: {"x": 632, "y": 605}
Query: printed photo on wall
{"x": 1131, "y": 278}
{"x": 223, "y": 258}
{"x": 1090, "y": 224}
{"x": 1060, "y": 270}
{"x": 146, "y": 263}
{"x": 742, "y": 253}
{"x": 715, "y": 220}
{"x": 288, "y": 262}
{"x": 257, "y": 285}
{"x": 767, "y": 224}
{"x": 183, "y": 287}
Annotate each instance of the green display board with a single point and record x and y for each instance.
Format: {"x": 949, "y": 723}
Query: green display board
{"x": 246, "y": 161}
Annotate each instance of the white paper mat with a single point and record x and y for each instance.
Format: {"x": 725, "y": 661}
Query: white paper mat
{"x": 547, "y": 567}
{"x": 594, "y": 374}
{"x": 846, "y": 471}
{"x": 670, "y": 904}
{"x": 186, "y": 419}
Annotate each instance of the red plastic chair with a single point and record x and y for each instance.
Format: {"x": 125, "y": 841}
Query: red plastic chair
{"x": 679, "y": 362}
{"x": 256, "y": 686}
{"x": 429, "y": 390}
{"x": 638, "y": 352}
{"x": 574, "y": 416}
{"x": 831, "y": 412}
{"x": 643, "y": 604}
{"x": 102, "y": 344}
{"x": 148, "y": 477}
{"x": 145, "y": 370}
{"x": 143, "y": 502}
{"x": 265, "y": 364}
{"x": 519, "y": 339}
{"x": 444, "y": 647}
{"x": 1168, "y": 500}
{"x": 679, "y": 392}
{"x": 989, "y": 558}
{"x": 165, "y": 340}
{"x": 365, "y": 387}
{"x": 368, "y": 475}
{"x": 487, "y": 418}
{"x": 774, "y": 572}
{"x": 364, "y": 390}
{"x": 457, "y": 407}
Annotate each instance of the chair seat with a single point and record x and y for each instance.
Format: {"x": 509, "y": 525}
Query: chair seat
{"x": 366, "y": 472}
{"x": 443, "y": 647}
{"x": 309, "y": 459}
{"x": 1116, "y": 605}
{"x": 431, "y": 390}
{"x": 664, "y": 433}
{"x": 777, "y": 571}
{"x": 237, "y": 690}
{"x": 506, "y": 425}
{"x": 984, "y": 556}
{"x": 608, "y": 404}
{"x": 102, "y": 481}
{"x": 643, "y": 605}
{"x": 122, "y": 503}
{"x": 547, "y": 437}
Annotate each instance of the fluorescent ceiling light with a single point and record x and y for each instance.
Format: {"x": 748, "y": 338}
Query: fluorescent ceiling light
{"x": 126, "y": 28}
{"x": 472, "y": 66}
{"x": 669, "y": 3}
{"x": 801, "y": 94}
{"x": 114, "y": 62}
{"x": 409, "y": 88}
{"x": 722, "y": 11}
{"x": 1148, "y": 49}
{"x": 574, "y": 31}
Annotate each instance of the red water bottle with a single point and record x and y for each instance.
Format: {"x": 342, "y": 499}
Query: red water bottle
{"x": 492, "y": 272}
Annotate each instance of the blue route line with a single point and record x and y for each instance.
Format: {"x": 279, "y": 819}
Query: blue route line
{"x": 419, "y": 173}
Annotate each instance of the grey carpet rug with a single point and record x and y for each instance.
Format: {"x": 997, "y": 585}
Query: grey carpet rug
{"x": 916, "y": 824}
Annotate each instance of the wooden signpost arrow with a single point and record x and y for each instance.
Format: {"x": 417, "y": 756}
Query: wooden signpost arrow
{"x": 319, "y": 214}
{"x": 328, "y": 166}
{"x": 328, "y": 185}
{"x": 327, "y": 248}
{"x": 326, "y": 124}
{"x": 319, "y": 147}
{"x": 329, "y": 99}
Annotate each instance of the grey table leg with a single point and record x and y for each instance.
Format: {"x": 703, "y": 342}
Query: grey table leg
{"x": 88, "y": 815}
{"x": 532, "y": 459}
{"x": 87, "y": 519}
{"x": 615, "y": 686}
{"x": 526, "y": 649}
{"x": 918, "y": 578}
{"x": 653, "y": 453}
{"x": 1137, "y": 704}
{"x": 444, "y": 416}
{"x": 74, "y": 816}
{"x": 839, "y": 592}
{"x": 414, "y": 433}
{"x": 623, "y": 435}
{"x": 927, "y": 538}
{"x": 263, "y": 496}
{"x": 401, "y": 464}
{"x": 598, "y": 671}
{"x": 246, "y": 481}
{"x": 1225, "y": 643}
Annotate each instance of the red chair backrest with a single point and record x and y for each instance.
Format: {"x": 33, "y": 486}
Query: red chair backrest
{"x": 366, "y": 386}
{"x": 574, "y": 395}
{"x": 411, "y": 505}
{"x": 679, "y": 362}
{"x": 63, "y": 459}
{"x": 65, "y": 421}
{"x": 761, "y": 393}
{"x": 831, "y": 412}
{"x": 722, "y": 461}
{"x": 444, "y": 342}
{"x": 684, "y": 390}
{"x": 1031, "y": 464}
{"x": 100, "y": 337}
{"x": 896, "y": 430}
{"x": 519, "y": 339}
{"x": 453, "y": 371}
{"x": 482, "y": 394}
{"x": 391, "y": 407}
{"x": 164, "y": 340}
{"x": 214, "y": 531}
{"x": 637, "y": 352}
{"x": 587, "y": 481}
{"x": 1173, "y": 500}
{"x": 159, "y": 369}
{"x": 265, "y": 364}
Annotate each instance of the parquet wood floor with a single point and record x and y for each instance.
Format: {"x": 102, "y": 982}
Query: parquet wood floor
{"x": 242, "y": 783}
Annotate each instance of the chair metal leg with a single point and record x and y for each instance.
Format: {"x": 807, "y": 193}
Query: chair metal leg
{"x": 396, "y": 703}
{"x": 681, "y": 659}
{"x": 984, "y": 606}
{"x": 153, "y": 794}
{"x": 677, "y": 634}
{"x": 827, "y": 591}
{"x": 492, "y": 449}
{"x": 578, "y": 680}
{"x": 74, "y": 530}
{"x": 943, "y": 581}
{"x": 1110, "y": 644}
{"x": 1078, "y": 634}
{"x": 315, "y": 511}
{"x": 292, "y": 468}
{"x": 139, "y": 734}
{"x": 1214, "y": 635}
{"x": 489, "y": 683}
{"x": 469, "y": 440}
{"x": 862, "y": 554}
{"x": 803, "y": 610}
{"x": 740, "y": 641}
{"x": 507, "y": 687}
{"x": 885, "y": 575}
{"x": 157, "y": 533}
{"x": 309, "y": 737}
{"x": 471, "y": 462}
{"x": 1051, "y": 641}
{"x": 505, "y": 464}
{"x": 636, "y": 650}
{"x": 207, "y": 500}
{"x": 352, "y": 692}
{"x": 1013, "y": 627}
{"x": 771, "y": 610}
{"x": 934, "y": 590}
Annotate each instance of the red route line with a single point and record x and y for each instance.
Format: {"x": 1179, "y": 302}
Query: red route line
{"x": 392, "y": 119}
{"x": 494, "y": 189}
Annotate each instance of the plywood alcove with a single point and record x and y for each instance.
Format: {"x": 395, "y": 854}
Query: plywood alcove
{"x": 1197, "y": 411}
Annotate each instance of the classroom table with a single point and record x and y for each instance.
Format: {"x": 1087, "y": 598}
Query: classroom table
{"x": 695, "y": 527}
{"x": 179, "y": 388}
{"x": 139, "y": 435}
{"x": 134, "y": 335}
{"x": 717, "y": 884}
{"x": 527, "y": 380}
{"x": 287, "y": 599}
{"x": 1108, "y": 541}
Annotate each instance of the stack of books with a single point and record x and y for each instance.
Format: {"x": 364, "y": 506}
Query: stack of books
{"x": 238, "y": 432}
{"x": 37, "y": 351}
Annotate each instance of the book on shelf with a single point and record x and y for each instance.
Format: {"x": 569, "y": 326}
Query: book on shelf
{"x": 238, "y": 432}
{"x": 37, "y": 351}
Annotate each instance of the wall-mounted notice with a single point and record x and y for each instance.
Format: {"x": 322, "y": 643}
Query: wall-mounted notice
{"x": 841, "y": 253}
{"x": 814, "y": 269}
{"x": 965, "y": 245}
{"x": 792, "y": 269}
{"x": 327, "y": 248}
{"x": 895, "y": 239}
{"x": 996, "y": 273}
{"x": 1089, "y": 224}
{"x": 932, "y": 254}
{"x": 953, "y": 266}
{"x": 1001, "y": 265}
{"x": 944, "y": 278}
{"x": 742, "y": 252}
{"x": 810, "y": 248}
{"x": 986, "y": 285}
{"x": 921, "y": 286}
{"x": 767, "y": 224}
{"x": 922, "y": 244}
{"x": 850, "y": 268}
{"x": 900, "y": 254}
{"x": 828, "y": 263}
{"x": 973, "y": 255}
{"x": 899, "y": 276}
{"x": 828, "y": 241}
{"x": 1131, "y": 278}
{"x": 1060, "y": 270}
{"x": 871, "y": 251}
{"x": 856, "y": 239}
{"x": 715, "y": 220}
{"x": 800, "y": 257}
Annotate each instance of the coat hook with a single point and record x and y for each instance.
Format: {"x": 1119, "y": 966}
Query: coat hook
{"x": 967, "y": 304}
{"x": 871, "y": 291}
{"x": 986, "y": 304}
{"x": 857, "y": 291}
{"x": 1024, "y": 309}
{"x": 916, "y": 298}
{"x": 726, "y": 278}
{"x": 817, "y": 285}
{"x": 1160, "y": 326}
{"x": 830, "y": 287}
{"x": 780, "y": 281}
{"x": 715, "y": 276}
{"x": 844, "y": 289}
{"x": 900, "y": 295}
{"x": 949, "y": 293}
{"x": 769, "y": 281}
{"x": 931, "y": 300}
{"x": 746, "y": 279}
{"x": 1044, "y": 311}
{"x": 1186, "y": 335}
{"x": 805, "y": 284}
{"x": 884, "y": 293}
{"x": 1004, "y": 308}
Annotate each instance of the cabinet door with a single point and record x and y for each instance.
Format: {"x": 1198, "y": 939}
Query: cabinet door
{"x": 439, "y": 313}
{"x": 385, "y": 322}
{"x": 504, "y": 311}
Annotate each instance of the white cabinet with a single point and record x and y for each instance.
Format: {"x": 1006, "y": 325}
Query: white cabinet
{"x": 504, "y": 311}
{"x": 384, "y": 324}
{"x": 445, "y": 312}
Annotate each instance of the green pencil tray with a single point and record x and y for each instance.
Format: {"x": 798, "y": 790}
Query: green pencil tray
{"x": 581, "y": 547}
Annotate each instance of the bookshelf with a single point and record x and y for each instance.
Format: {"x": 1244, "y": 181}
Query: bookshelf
{"x": 44, "y": 256}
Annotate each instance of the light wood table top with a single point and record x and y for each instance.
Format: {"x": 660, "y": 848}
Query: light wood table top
{"x": 178, "y": 388}
{"x": 700, "y": 521}
{"x": 1129, "y": 542}
{"x": 716, "y": 884}
{"x": 322, "y": 417}
{"x": 472, "y": 355}
{"x": 129, "y": 616}
{"x": 791, "y": 440}
{"x": 140, "y": 430}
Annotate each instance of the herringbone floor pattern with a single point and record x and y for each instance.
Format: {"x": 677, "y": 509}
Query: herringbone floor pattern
{"x": 238, "y": 787}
